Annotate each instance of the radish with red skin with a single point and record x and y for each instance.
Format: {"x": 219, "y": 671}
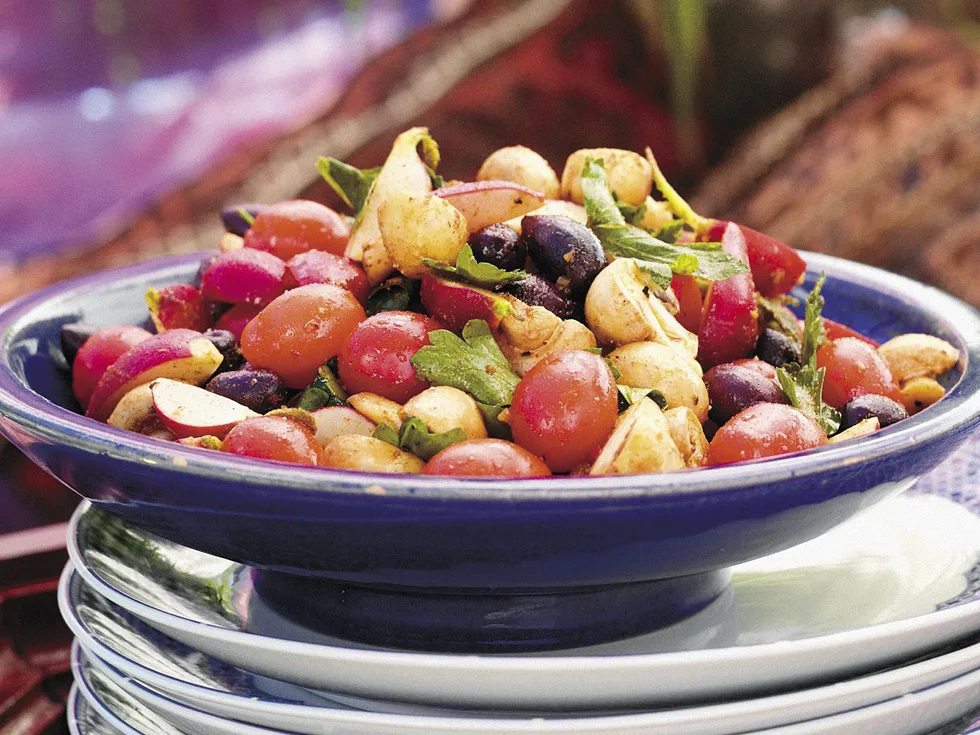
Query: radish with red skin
{"x": 319, "y": 266}
{"x": 485, "y": 203}
{"x": 730, "y": 321}
{"x": 244, "y": 277}
{"x": 178, "y": 306}
{"x": 97, "y": 354}
{"x": 191, "y": 411}
{"x": 688, "y": 295}
{"x": 776, "y": 267}
{"x": 454, "y": 303}
{"x": 237, "y": 318}
{"x": 180, "y": 354}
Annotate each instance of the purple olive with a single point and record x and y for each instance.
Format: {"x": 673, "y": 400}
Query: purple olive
{"x": 73, "y": 336}
{"x": 260, "y": 390}
{"x": 233, "y": 220}
{"x": 870, "y": 405}
{"x": 499, "y": 245}
{"x": 227, "y": 345}
{"x": 776, "y": 348}
{"x": 733, "y": 388}
{"x": 535, "y": 291}
{"x": 565, "y": 252}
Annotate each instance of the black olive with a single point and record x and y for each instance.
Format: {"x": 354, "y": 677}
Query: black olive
{"x": 499, "y": 245}
{"x": 776, "y": 348}
{"x": 566, "y": 253}
{"x": 73, "y": 336}
{"x": 227, "y": 345}
{"x": 863, "y": 407}
{"x": 535, "y": 291}
{"x": 260, "y": 390}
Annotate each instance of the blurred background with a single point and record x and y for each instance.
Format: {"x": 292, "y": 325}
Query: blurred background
{"x": 844, "y": 126}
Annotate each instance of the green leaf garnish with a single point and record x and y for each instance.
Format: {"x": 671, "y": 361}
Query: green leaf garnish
{"x": 670, "y": 231}
{"x": 803, "y": 383}
{"x": 473, "y": 363}
{"x": 469, "y": 270}
{"x": 629, "y": 395}
{"x": 351, "y": 184}
{"x": 704, "y": 260}
{"x": 776, "y": 315}
{"x": 416, "y": 438}
{"x": 395, "y": 294}
{"x": 491, "y": 419}
{"x": 325, "y": 390}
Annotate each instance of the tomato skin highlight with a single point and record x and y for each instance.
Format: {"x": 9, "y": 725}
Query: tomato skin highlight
{"x": 564, "y": 408}
{"x": 688, "y": 295}
{"x": 273, "y": 437}
{"x": 730, "y": 321}
{"x": 764, "y": 430}
{"x": 291, "y": 227}
{"x": 486, "y": 458}
{"x": 97, "y": 354}
{"x": 854, "y": 368}
{"x": 377, "y": 357}
{"x": 300, "y": 330}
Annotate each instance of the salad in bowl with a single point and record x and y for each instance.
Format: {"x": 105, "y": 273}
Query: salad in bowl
{"x": 520, "y": 325}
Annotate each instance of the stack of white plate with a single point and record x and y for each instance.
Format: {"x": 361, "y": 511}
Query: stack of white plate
{"x": 872, "y": 628}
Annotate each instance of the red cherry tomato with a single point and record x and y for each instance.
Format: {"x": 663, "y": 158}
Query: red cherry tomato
{"x": 688, "y": 295}
{"x": 97, "y": 354}
{"x": 288, "y": 228}
{"x": 318, "y": 266}
{"x": 836, "y": 330}
{"x": 273, "y": 437}
{"x": 377, "y": 357}
{"x": 486, "y": 458}
{"x": 564, "y": 408}
{"x": 300, "y": 330}
{"x": 854, "y": 369}
{"x": 764, "y": 430}
{"x": 730, "y": 322}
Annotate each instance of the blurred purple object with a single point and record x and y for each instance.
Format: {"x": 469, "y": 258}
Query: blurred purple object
{"x": 106, "y": 104}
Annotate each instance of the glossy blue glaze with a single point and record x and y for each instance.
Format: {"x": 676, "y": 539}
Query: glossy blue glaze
{"x": 531, "y": 535}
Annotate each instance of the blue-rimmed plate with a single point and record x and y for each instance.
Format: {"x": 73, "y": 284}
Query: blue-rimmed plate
{"x": 893, "y": 584}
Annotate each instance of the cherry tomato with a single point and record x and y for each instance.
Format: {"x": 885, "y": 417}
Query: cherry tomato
{"x": 377, "y": 357}
{"x": 688, "y": 295}
{"x": 486, "y": 458}
{"x": 300, "y": 330}
{"x": 764, "y": 430}
{"x": 854, "y": 368}
{"x": 317, "y": 266}
{"x": 292, "y": 227}
{"x": 836, "y": 330}
{"x": 730, "y": 321}
{"x": 273, "y": 437}
{"x": 97, "y": 354}
{"x": 564, "y": 408}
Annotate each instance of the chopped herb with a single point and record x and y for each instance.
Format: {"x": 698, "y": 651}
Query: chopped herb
{"x": 803, "y": 383}
{"x": 469, "y": 270}
{"x": 351, "y": 184}
{"x": 491, "y": 419}
{"x": 416, "y": 438}
{"x": 613, "y": 369}
{"x": 776, "y": 315}
{"x": 395, "y": 294}
{"x": 473, "y": 363}
{"x": 325, "y": 390}
{"x": 662, "y": 259}
{"x": 628, "y": 396}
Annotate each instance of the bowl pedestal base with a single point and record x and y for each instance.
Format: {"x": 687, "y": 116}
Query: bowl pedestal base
{"x": 486, "y": 621}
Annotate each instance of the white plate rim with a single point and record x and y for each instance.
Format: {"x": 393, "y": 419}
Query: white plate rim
{"x": 772, "y": 711}
{"x": 517, "y": 682}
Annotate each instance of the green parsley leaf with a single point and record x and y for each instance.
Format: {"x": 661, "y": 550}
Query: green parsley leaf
{"x": 473, "y": 363}
{"x": 704, "y": 260}
{"x": 416, "y": 438}
{"x": 491, "y": 419}
{"x": 776, "y": 315}
{"x": 803, "y": 383}
{"x": 351, "y": 184}
{"x": 469, "y": 270}
{"x": 395, "y": 294}
{"x": 633, "y": 215}
{"x": 628, "y": 396}
{"x": 325, "y": 390}
{"x": 670, "y": 231}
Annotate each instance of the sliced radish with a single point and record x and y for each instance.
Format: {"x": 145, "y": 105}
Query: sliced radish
{"x": 189, "y": 411}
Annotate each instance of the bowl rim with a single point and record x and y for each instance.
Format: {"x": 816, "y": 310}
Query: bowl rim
{"x": 26, "y": 408}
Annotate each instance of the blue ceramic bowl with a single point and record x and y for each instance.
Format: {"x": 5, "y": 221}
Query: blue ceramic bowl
{"x": 476, "y": 564}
